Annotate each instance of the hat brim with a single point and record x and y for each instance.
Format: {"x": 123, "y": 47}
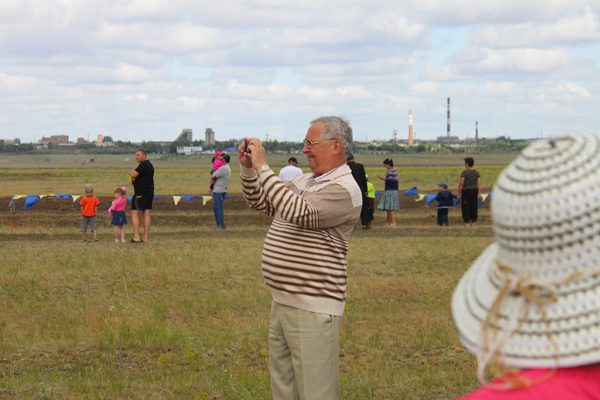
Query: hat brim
{"x": 573, "y": 320}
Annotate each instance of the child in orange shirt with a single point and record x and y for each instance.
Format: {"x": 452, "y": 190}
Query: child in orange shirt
{"x": 89, "y": 207}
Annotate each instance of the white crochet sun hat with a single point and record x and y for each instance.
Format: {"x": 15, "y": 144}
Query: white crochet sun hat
{"x": 533, "y": 297}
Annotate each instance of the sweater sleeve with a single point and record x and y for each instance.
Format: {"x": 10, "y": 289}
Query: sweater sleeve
{"x": 325, "y": 208}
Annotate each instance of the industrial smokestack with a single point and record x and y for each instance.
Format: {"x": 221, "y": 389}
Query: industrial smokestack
{"x": 448, "y": 129}
{"x": 476, "y": 131}
{"x": 410, "y": 131}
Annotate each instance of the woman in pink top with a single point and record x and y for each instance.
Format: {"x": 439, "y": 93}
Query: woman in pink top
{"x": 218, "y": 162}
{"x": 118, "y": 218}
{"x": 531, "y": 301}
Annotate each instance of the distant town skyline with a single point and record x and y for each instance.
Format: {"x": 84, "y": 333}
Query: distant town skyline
{"x": 148, "y": 69}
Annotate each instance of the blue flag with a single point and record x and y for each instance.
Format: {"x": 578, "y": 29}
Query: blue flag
{"x": 431, "y": 197}
{"x": 188, "y": 198}
{"x": 30, "y": 201}
{"x": 377, "y": 194}
{"x": 411, "y": 191}
{"x": 66, "y": 196}
{"x": 457, "y": 202}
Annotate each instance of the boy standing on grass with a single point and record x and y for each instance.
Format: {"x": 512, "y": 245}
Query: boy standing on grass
{"x": 445, "y": 202}
{"x": 89, "y": 207}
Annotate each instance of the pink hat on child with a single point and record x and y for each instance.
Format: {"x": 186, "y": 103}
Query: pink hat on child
{"x": 219, "y": 153}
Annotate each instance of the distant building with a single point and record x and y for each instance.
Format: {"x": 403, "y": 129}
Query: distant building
{"x": 209, "y": 137}
{"x": 80, "y": 140}
{"x": 55, "y": 139}
{"x": 448, "y": 140}
{"x": 185, "y": 136}
{"x": 188, "y": 150}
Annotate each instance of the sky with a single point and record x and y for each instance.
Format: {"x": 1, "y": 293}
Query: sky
{"x": 144, "y": 69}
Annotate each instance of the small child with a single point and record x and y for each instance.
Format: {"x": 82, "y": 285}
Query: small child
{"x": 444, "y": 199}
{"x": 218, "y": 162}
{"x": 118, "y": 218}
{"x": 89, "y": 207}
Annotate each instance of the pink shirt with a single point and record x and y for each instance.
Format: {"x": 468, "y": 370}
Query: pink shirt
{"x": 578, "y": 383}
{"x": 118, "y": 205}
{"x": 218, "y": 164}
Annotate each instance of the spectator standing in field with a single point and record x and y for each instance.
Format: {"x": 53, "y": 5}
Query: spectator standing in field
{"x": 445, "y": 200}
{"x": 221, "y": 177}
{"x": 89, "y": 207}
{"x": 218, "y": 162}
{"x": 359, "y": 175}
{"x": 469, "y": 191}
{"x": 118, "y": 218}
{"x": 371, "y": 200}
{"x": 290, "y": 172}
{"x": 389, "y": 201}
{"x": 531, "y": 300}
{"x": 141, "y": 202}
{"x": 304, "y": 257}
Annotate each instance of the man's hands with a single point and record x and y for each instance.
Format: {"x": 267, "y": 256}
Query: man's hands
{"x": 255, "y": 157}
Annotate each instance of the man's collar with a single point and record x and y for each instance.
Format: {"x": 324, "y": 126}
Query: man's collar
{"x": 312, "y": 178}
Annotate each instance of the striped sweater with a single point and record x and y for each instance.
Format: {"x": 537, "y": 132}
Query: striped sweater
{"x": 304, "y": 255}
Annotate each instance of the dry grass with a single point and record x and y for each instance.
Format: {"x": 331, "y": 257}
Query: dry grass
{"x": 190, "y": 175}
{"x": 188, "y": 314}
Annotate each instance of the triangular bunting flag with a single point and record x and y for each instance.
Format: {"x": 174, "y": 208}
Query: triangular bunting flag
{"x": 412, "y": 191}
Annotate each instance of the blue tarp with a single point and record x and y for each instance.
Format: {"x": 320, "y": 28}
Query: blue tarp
{"x": 230, "y": 149}
{"x": 66, "y": 196}
{"x": 431, "y": 197}
{"x": 411, "y": 191}
{"x": 30, "y": 201}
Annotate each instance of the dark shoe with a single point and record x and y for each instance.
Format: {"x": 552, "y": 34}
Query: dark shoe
{"x": 133, "y": 241}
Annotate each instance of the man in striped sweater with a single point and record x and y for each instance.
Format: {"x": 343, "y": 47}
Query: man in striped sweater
{"x": 304, "y": 257}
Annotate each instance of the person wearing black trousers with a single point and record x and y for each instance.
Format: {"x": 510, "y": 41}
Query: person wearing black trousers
{"x": 469, "y": 191}
{"x": 358, "y": 172}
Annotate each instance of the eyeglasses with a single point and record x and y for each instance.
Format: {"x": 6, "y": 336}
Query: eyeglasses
{"x": 310, "y": 143}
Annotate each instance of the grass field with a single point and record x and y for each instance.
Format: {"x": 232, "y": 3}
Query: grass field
{"x": 52, "y": 174}
{"x": 186, "y": 315}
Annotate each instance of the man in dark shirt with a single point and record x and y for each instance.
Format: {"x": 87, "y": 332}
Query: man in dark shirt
{"x": 141, "y": 202}
{"x": 358, "y": 172}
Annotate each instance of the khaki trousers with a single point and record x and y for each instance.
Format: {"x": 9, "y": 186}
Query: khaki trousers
{"x": 303, "y": 354}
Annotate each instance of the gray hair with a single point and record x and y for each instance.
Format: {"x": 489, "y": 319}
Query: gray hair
{"x": 337, "y": 128}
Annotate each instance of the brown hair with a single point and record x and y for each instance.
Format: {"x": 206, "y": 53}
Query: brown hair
{"x": 469, "y": 161}
{"x": 121, "y": 190}
{"x": 142, "y": 151}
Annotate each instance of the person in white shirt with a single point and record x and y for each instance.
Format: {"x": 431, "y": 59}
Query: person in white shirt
{"x": 290, "y": 172}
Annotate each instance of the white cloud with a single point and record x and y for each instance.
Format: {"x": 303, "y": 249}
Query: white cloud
{"x": 499, "y": 89}
{"x": 139, "y": 96}
{"x": 575, "y": 29}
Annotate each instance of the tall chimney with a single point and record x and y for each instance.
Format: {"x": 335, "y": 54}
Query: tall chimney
{"x": 395, "y": 136}
{"x": 476, "y": 131}
{"x": 448, "y": 129}
{"x": 410, "y": 132}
